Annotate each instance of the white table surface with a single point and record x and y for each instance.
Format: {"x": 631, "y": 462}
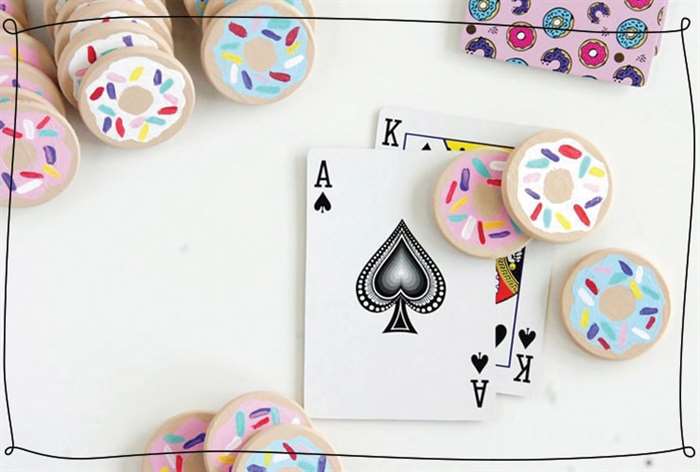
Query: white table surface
{"x": 172, "y": 279}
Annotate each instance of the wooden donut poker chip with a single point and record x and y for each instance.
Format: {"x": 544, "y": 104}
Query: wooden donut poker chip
{"x": 469, "y": 207}
{"x": 615, "y": 304}
{"x": 31, "y": 50}
{"x": 32, "y": 79}
{"x": 136, "y": 97}
{"x": 287, "y": 448}
{"x": 93, "y": 43}
{"x": 46, "y": 152}
{"x": 557, "y": 186}
{"x": 112, "y": 10}
{"x": 256, "y": 61}
{"x": 215, "y": 8}
{"x": 181, "y": 437}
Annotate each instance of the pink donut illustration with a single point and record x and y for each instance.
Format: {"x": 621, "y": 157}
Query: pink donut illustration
{"x": 593, "y": 53}
{"x": 521, "y": 36}
{"x": 46, "y": 153}
{"x": 639, "y": 5}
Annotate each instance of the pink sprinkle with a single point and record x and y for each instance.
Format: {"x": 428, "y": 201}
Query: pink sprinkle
{"x": 592, "y": 188}
{"x": 623, "y": 335}
{"x": 603, "y": 270}
{"x": 116, "y": 77}
{"x": 136, "y": 122}
{"x": 170, "y": 98}
{"x": 81, "y": 72}
{"x": 529, "y": 178}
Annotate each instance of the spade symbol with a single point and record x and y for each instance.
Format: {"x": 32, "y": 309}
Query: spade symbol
{"x": 501, "y": 332}
{"x": 480, "y": 361}
{"x": 426, "y": 147}
{"x": 401, "y": 275}
{"x": 322, "y": 203}
{"x": 526, "y": 337}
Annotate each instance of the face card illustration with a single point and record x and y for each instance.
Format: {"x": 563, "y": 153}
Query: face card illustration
{"x": 520, "y": 281}
{"x": 395, "y": 327}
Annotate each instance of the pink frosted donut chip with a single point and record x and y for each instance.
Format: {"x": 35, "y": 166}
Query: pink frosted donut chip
{"x": 180, "y": 437}
{"x": 243, "y": 418}
{"x": 469, "y": 207}
{"x": 46, "y": 153}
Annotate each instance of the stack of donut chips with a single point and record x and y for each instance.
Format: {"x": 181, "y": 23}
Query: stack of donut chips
{"x": 556, "y": 187}
{"x": 45, "y": 147}
{"x": 116, "y": 66}
{"x": 260, "y": 60}
{"x": 255, "y": 432}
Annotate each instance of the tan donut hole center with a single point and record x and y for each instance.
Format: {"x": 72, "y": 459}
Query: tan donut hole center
{"x": 135, "y": 100}
{"x": 617, "y": 303}
{"x": 260, "y": 54}
{"x": 487, "y": 200}
{"x": 558, "y": 186}
{"x": 24, "y": 156}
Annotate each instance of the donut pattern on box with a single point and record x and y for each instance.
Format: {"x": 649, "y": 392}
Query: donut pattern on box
{"x": 165, "y": 86}
{"x": 539, "y": 34}
{"x": 615, "y": 304}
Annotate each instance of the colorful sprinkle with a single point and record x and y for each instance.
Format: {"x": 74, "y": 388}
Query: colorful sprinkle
{"x": 547, "y": 218}
{"x": 648, "y": 311}
{"x": 616, "y": 278}
{"x": 458, "y": 204}
{"x": 292, "y": 36}
{"x": 625, "y": 268}
{"x": 585, "y": 297}
{"x": 500, "y": 235}
{"x": 280, "y": 76}
{"x": 246, "y": 80}
{"x": 604, "y": 343}
{"x": 136, "y": 74}
{"x": 292, "y": 453}
{"x": 563, "y": 221}
{"x": 111, "y": 92}
{"x": 608, "y": 330}
{"x": 593, "y": 202}
{"x": 592, "y": 331}
{"x": 199, "y": 439}
{"x": 157, "y": 77}
{"x": 482, "y": 237}
{"x": 650, "y": 323}
{"x": 591, "y": 286}
{"x": 166, "y": 86}
{"x": 464, "y": 180}
{"x": 641, "y": 334}
{"x": 532, "y": 193}
{"x": 585, "y": 317}
{"x": 569, "y": 151}
{"x": 581, "y": 214}
{"x": 451, "y": 192}
{"x": 8, "y": 181}
{"x": 240, "y": 423}
{"x": 468, "y": 228}
{"x": 237, "y": 29}
{"x": 173, "y": 438}
{"x": 538, "y": 163}
{"x": 50, "y": 154}
{"x": 549, "y": 155}
{"x": 583, "y": 168}
{"x": 635, "y": 290}
{"x": 596, "y": 172}
{"x": 258, "y": 413}
{"x": 271, "y": 34}
{"x": 494, "y": 182}
{"x": 481, "y": 168}
{"x": 536, "y": 212}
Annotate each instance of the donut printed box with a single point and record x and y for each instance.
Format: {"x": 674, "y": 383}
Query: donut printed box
{"x": 539, "y": 35}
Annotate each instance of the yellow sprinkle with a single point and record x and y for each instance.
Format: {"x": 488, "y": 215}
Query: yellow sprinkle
{"x": 635, "y": 290}
{"x": 51, "y": 170}
{"x": 458, "y": 204}
{"x": 563, "y": 221}
{"x": 227, "y": 459}
{"x": 584, "y": 318}
{"x": 136, "y": 73}
{"x": 267, "y": 459}
{"x": 235, "y": 58}
{"x": 497, "y": 224}
{"x": 597, "y": 172}
{"x": 293, "y": 48}
{"x": 165, "y": 468}
{"x": 143, "y": 132}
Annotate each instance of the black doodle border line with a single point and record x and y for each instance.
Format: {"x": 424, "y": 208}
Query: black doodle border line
{"x": 687, "y": 450}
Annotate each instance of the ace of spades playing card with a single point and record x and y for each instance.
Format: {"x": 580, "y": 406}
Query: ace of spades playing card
{"x": 521, "y": 280}
{"x": 395, "y": 327}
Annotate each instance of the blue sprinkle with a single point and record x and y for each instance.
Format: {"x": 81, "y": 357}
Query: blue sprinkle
{"x": 255, "y": 468}
{"x": 50, "y": 154}
{"x": 592, "y": 331}
{"x": 157, "y": 77}
{"x": 246, "y": 80}
{"x": 625, "y": 268}
{"x": 464, "y": 180}
{"x": 111, "y": 92}
{"x": 166, "y": 85}
{"x": 532, "y": 193}
{"x": 550, "y": 155}
{"x": 321, "y": 464}
{"x": 127, "y": 40}
{"x": 199, "y": 439}
{"x": 594, "y": 202}
{"x": 2, "y": 124}
{"x": 271, "y": 34}
{"x": 106, "y": 124}
{"x": 8, "y": 181}
{"x": 154, "y": 120}
{"x": 648, "y": 311}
